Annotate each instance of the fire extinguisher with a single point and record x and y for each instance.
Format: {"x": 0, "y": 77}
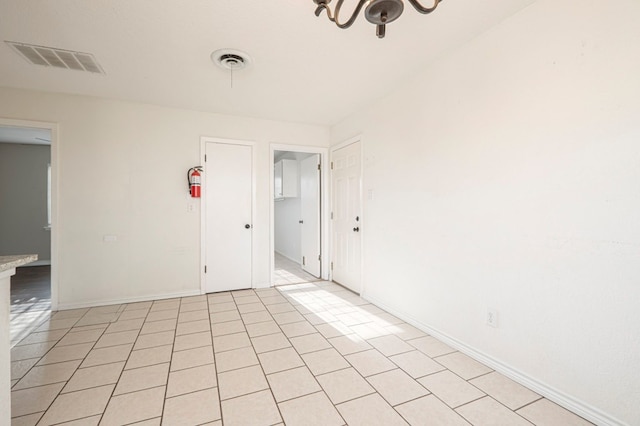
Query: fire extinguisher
{"x": 193, "y": 179}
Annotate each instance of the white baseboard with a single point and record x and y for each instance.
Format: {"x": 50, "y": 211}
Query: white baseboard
{"x": 94, "y": 303}
{"x": 563, "y": 399}
{"x": 264, "y": 284}
{"x": 287, "y": 257}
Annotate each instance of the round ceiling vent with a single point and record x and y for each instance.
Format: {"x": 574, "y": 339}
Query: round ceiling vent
{"x": 231, "y": 59}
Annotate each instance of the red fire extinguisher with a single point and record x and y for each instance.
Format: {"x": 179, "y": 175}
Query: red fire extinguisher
{"x": 193, "y": 178}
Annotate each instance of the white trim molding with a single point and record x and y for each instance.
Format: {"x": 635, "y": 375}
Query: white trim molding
{"x": 148, "y": 298}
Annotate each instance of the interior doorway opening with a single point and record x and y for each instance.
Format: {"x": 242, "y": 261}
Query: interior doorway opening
{"x": 26, "y": 221}
{"x": 297, "y": 225}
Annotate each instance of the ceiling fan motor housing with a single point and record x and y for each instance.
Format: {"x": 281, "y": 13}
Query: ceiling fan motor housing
{"x": 381, "y": 12}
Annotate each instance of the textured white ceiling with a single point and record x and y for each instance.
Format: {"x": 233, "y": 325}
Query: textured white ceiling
{"x": 305, "y": 69}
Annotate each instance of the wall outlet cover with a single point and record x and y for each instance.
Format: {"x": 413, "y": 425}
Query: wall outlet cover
{"x": 492, "y": 318}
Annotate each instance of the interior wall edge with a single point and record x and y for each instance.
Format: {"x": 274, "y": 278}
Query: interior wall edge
{"x": 262, "y": 285}
{"x": 285, "y": 256}
{"x": 581, "y": 408}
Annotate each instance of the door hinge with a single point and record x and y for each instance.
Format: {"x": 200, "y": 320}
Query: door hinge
{"x": 303, "y": 261}
{"x": 331, "y": 215}
{"x": 319, "y": 167}
{"x": 205, "y": 269}
{"x": 332, "y": 165}
{"x": 319, "y": 257}
{"x": 332, "y": 266}
{"x": 205, "y": 158}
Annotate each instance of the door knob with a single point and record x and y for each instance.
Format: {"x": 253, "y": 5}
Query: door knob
{"x": 301, "y": 221}
{"x": 356, "y": 229}
{"x": 247, "y": 226}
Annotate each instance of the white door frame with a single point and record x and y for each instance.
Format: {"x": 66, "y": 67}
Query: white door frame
{"x": 203, "y": 206}
{"x": 332, "y": 151}
{"x": 324, "y": 201}
{"x": 55, "y": 173}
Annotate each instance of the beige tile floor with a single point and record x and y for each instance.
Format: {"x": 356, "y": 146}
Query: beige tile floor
{"x": 30, "y": 299}
{"x": 307, "y": 354}
{"x": 289, "y": 272}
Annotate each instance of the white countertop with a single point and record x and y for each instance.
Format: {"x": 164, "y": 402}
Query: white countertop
{"x": 10, "y": 262}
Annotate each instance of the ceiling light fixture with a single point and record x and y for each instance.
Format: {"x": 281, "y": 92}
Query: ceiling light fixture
{"x": 231, "y": 59}
{"x": 378, "y": 12}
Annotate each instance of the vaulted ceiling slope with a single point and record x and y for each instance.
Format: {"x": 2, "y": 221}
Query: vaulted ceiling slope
{"x": 304, "y": 68}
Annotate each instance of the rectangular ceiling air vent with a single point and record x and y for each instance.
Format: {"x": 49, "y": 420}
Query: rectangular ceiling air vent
{"x": 59, "y": 58}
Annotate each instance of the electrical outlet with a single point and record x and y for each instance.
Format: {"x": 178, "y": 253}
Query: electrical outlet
{"x": 492, "y": 318}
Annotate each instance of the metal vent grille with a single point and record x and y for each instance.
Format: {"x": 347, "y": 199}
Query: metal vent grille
{"x": 59, "y": 58}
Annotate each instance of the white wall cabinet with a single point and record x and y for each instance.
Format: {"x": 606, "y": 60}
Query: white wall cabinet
{"x": 285, "y": 179}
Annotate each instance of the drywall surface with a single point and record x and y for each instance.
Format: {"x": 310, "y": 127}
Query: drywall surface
{"x": 287, "y": 229}
{"x": 506, "y": 176}
{"x": 23, "y": 195}
{"x": 287, "y": 212}
{"x": 122, "y": 175}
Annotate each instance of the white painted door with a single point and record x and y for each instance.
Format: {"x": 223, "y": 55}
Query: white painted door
{"x": 310, "y": 214}
{"x": 228, "y": 189}
{"x": 346, "y": 223}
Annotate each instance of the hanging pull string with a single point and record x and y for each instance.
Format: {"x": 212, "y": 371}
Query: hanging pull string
{"x": 233, "y": 61}
{"x": 230, "y": 61}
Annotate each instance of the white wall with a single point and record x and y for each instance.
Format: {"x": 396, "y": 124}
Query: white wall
{"x": 287, "y": 229}
{"x": 23, "y": 195}
{"x": 122, "y": 171}
{"x": 287, "y": 213}
{"x": 507, "y": 176}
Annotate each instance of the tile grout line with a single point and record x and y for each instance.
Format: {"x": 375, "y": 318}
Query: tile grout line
{"x": 166, "y": 386}
{"x": 215, "y": 360}
{"x": 39, "y": 358}
{"x": 326, "y": 305}
{"x": 351, "y": 366}
{"x": 307, "y": 365}
{"x": 275, "y": 401}
{"x": 104, "y": 411}
{"x": 44, "y": 413}
{"x": 497, "y": 402}
{"x": 528, "y": 403}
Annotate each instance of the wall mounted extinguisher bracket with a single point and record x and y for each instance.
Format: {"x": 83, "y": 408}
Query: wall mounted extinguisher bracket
{"x": 194, "y": 181}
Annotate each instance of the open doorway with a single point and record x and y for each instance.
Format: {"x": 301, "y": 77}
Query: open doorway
{"x": 25, "y": 221}
{"x": 297, "y": 230}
